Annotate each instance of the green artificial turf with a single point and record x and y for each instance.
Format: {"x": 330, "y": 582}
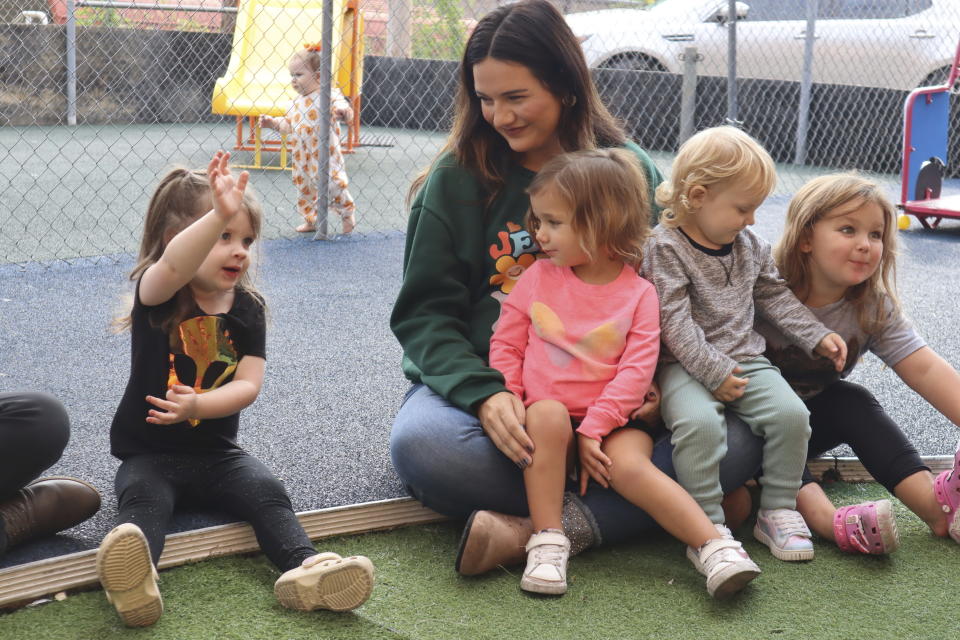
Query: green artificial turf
{"x": 641, "y": 590}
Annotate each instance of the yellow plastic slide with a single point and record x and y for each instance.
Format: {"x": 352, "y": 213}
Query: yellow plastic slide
{"x": 267, "y": 33}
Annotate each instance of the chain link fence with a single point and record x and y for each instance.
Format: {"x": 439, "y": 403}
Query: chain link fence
{"x": 94, "y": 109}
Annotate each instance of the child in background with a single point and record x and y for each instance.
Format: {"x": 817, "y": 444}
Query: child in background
{"x": 711, "y": 273}
{"x": 838, "y": 255}
{"x": 577, "y": 343}
{"x": 198, "y": 337}
{"x": 303, "y": 121}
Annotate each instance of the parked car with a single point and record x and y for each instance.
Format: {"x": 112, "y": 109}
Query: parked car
{"x": 895, "y": 44}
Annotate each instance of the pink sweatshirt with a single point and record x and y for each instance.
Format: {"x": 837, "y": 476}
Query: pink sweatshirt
{"x": 592, "y": 347}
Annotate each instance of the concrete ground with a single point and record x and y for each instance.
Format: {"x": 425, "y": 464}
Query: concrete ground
{"x": 333, "y": 381}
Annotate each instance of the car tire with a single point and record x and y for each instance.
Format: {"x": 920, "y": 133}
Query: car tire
{"x": 633, "y": 62}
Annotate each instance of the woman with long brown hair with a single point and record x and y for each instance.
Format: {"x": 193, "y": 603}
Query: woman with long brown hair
{"x": 525, "y": 95}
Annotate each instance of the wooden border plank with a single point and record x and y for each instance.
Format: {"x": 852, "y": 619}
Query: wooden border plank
{"x": 36, "y": 579}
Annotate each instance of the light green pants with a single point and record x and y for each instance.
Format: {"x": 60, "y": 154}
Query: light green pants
{"x": 699, "y": 433}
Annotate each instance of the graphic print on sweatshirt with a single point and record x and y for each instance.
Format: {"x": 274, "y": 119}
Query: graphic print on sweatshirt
{"x": 513, "y": 253}
{"x": 603, "y": 343}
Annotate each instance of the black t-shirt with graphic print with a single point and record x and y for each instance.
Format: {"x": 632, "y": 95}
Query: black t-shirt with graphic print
{"x": 209, "y": 347}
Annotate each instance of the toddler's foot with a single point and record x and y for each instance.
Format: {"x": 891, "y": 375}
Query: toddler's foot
{"x": 326, "y": 581}
{"x": 306, "y": 227}
{"x": 547, "y": 554}
{"x": 785, "y": 532}
{"x": 946, "y": 487}
{"x": 866, "y": 528}
{"x": 348, "y": 224}
{"x": 725, "y": 563}
{"x": 128, "y": 576}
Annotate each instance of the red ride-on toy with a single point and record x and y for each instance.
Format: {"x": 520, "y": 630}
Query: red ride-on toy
{"x": 926, "y": 124}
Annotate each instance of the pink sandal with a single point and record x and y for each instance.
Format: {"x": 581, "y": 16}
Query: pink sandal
{"x": 868, "y": 528}
{"x": 946, "y": 487}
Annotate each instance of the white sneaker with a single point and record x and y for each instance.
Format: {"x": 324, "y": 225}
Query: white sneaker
{"x": 727, "y": 566}
{"x": 693, "y": 555}
{"x": 547, "y": 554}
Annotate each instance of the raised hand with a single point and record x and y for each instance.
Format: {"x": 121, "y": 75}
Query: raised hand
{"x": 227, "y": 191}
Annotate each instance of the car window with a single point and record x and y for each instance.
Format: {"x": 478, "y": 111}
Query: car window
{"x": 776, "y": 10}
{"x": 761, "y": 10}
{"x": 872, "y": 9}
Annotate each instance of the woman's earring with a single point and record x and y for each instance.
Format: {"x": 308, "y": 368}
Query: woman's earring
{"x": 685, "y": 202}
{"x": 569, "y": 101}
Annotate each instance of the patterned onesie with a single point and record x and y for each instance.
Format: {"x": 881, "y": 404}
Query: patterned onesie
{"x": 302, "y": 122}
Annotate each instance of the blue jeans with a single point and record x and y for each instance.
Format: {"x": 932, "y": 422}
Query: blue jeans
{"x": 449, "y": 464}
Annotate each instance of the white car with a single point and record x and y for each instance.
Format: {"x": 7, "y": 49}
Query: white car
{"x": 894, "y": 44}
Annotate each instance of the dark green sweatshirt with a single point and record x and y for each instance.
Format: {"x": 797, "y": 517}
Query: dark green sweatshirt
{"x": 459, "y": 264}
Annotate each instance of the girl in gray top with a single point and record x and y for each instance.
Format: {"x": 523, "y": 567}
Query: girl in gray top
{"x": 837, "y": 255}
{"x": 712, "y": 274}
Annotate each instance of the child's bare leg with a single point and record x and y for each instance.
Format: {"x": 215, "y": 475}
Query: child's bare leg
{"x": 817, "y": 510}
{"x": 634, "y": 477}
{"x": 868, "y": 527}
{"x": 737, "y": 506}
{"x": 548, "y": 425}
{"x": 916, "y": 491}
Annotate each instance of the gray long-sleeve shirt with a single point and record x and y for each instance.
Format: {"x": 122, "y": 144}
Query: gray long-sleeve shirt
{"x": 708, "y": 298}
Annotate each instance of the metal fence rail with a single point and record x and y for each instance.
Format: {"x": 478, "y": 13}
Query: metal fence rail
{"x": 91, "y": 115}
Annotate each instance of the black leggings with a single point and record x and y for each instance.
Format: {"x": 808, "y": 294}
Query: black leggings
{"x": 34, "y": 429}
{"x": 149, "y": 486}
{"x": 846, "y": 413}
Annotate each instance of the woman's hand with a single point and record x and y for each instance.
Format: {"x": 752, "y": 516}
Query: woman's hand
{"x": 594, "y": 463}
{"x": 731, "y": 388}
{"x": 502, "y": 416}
{"x": 180, "y": 405}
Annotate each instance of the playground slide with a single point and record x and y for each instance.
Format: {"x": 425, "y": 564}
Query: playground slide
{"x": 267, "y": 33}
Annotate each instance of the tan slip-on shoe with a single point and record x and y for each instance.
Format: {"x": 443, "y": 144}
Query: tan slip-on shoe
{"x": 128, "y": 576}
{"x": 337, "y": 584}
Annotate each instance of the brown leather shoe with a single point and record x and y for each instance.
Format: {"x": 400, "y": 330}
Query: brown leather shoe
{"x": 490, "y": 540}
{"x": 47, "y": 506}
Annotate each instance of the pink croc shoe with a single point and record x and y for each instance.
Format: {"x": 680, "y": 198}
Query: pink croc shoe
{"x": 868, "y": 528}
{"x": 946, "y": 487}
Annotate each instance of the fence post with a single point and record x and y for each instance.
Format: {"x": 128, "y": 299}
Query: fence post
{"x": 326, "y": 84}
{"x": 399, "y": 33}
{"x": 806, "y": 80}
{"x": 71, "y": 33}
{"x": 732, "y": 62}
{"x": 688, "y": 95}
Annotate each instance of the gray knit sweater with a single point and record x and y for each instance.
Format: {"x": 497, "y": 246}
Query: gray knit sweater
{"x": 708, "y": 298}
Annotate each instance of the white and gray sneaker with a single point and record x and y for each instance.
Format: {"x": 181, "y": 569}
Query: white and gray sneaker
{"x": 546, "y": 571}
{"x": 724, "y": 562}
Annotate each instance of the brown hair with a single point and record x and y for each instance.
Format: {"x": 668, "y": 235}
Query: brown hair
{"x": 813, "y": 203}
{"x": 534, "y": 34}
{"x": 719, "y": 155}
{"x": 181, "y": 197}
{"x": 608, "y": 193}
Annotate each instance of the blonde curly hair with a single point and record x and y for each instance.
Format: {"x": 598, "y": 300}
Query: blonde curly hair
{"x": 717, "y": 156}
